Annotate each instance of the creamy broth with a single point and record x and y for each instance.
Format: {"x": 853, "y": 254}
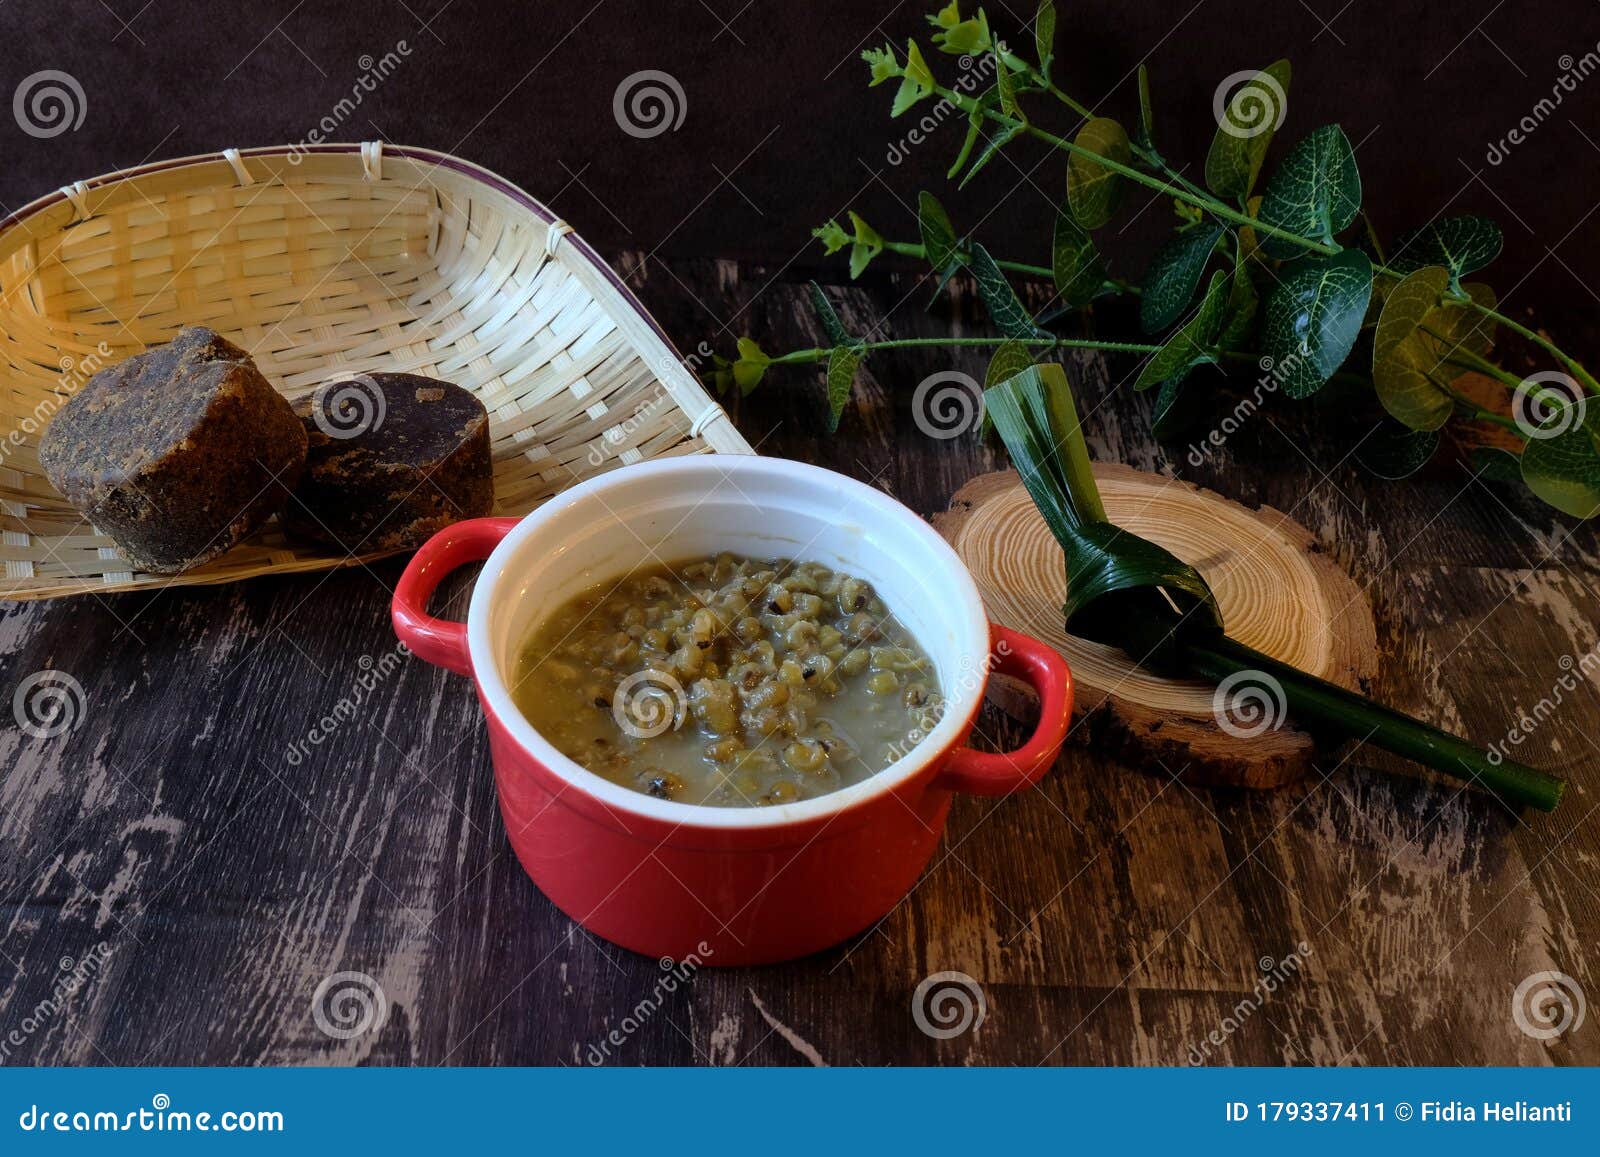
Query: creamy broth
{"x": 729, "y": 681}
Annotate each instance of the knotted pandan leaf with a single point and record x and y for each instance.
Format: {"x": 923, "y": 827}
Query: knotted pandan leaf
{"x": 1562, "y": 462}
{"x": 1315, "y": 193}
{"x": 1460, "y": 244}
{"x": 1313, "y": 317}
{"x": 1418, "y": 332}
{"x": 1245, "y": 125}
{"x": 1170, "y": 282}
{"x": 1093, "y": 190}
{"x": 1075, "y": 262}
{"x": 1194, "y": 343}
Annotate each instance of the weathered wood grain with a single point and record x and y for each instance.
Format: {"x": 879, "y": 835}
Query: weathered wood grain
{"x": 1108, "y": 917}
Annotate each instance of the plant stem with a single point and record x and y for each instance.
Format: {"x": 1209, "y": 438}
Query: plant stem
{"x": 913, "y": 249}
{"x": 1539, "y": 340}
{"x": 1319, "y": 703}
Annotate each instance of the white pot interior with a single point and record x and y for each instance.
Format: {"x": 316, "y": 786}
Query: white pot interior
{"x": 675, "y": 509}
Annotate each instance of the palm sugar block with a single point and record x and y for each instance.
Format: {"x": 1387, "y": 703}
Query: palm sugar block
{"x": 393, "y": 458}
{"x": 177, "y": 454}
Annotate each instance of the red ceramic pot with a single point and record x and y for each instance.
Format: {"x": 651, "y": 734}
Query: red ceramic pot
{"x": 727, "y": 885}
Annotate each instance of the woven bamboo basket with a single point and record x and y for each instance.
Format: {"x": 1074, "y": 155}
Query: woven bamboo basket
{"x": 324, "y": 262}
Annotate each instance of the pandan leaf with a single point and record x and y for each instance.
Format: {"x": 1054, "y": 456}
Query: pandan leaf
{"x": 1044, "y": 35}
{"x": 1496, "y": 465}
{"x": 1245, "y": 125}
{"x": 1147, "y": 120}
{"x": 1093, "y": 190}
{"x": 1394, "y": 452}
{"x": 1005, "y": 309}
{"x": 1194, "y": 342}
{"x": 842, "y": 363}
{"x": 1170, "y": 282}
{"x": 1313, "y": 316}
{"x": 1564, "y": 469}
{"x": 1036, "y": 417}
{"x": 1008, "y": 361}
{"x": 829, "y": 320}
{"x": 1460, "y": 244}
{"x": 1074, "y": 262}
{"x": 938, "y": 234}
{"x": 1315, "y": 193}
{"x": 1417, "y": 333}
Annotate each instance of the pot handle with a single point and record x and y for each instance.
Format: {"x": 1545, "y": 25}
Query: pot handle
{"x": 440, "y": 641}
{"x": 982, "y": 773}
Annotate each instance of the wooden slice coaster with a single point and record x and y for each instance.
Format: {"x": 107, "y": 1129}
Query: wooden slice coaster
{"x": 1277, "y": 590}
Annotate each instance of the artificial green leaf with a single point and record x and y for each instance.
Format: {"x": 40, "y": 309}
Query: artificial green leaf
{"x": 974, "y": 131}
{"x": 1496, "y": 465}
{"x": 1243, "y": 302}
{"x": 960, "y": 37}
{"x": 1147, "y": 120}
{"x": 1313, "y": 316}
{"x": 867, "y": 245}
{"x": 1195, "y": 340}
{"x": 1460, "y": 244}
{"x": 751, "y": 365}
{"x": 883, "y": 64}
{"x": 1008, "y": 361}
{"x": 938, "y": 234}
{"x": 832, "y": 236}
{"x": 1074, "y": 262}
{"x": 948, "y": 16}
{"x": 991, "y": 147}
{"x": 916, "y": 80}
{"x": 1170, "y": 282}
{"x": 1093, "y": 190}
{"x": 1315, "y": 193}
{"x": 1394, "y": 452}
{"x": 1044, "y": 35}
{"x": 1417, "y": 333}
{"x": 842, "y": 363}
{"x": 1005, "y": 309}
{"x": 831, "y": 325}
{"x": 1006, "y": 86}
{"x": 1564, "y": 468}
{"x": 1244, "y": 130}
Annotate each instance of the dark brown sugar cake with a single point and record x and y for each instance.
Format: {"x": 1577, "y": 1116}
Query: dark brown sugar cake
{"x": 393, "y": 458}
{"x": 178, "y": 453}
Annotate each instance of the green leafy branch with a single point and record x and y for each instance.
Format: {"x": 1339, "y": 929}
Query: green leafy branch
{"x": 1294, "y": 284}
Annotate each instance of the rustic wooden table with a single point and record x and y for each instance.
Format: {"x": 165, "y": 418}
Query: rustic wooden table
{"x": 174, "y": 889}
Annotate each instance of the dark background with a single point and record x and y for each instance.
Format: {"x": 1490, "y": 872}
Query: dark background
{"x": 780, "y": 131}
